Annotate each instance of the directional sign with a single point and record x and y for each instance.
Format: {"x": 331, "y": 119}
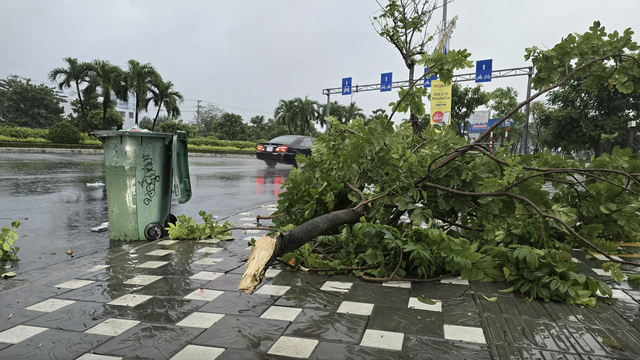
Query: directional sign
{"x": 506, "y": 123}
{"x": 483, "y": 70}
{"x": 385, "y": 81}
{"x": 346, "y": 86}
{"x": 427, "y": 80}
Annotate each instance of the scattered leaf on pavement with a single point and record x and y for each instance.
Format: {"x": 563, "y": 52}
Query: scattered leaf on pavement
{"x": 426, "y": 301}
{"x": 9, "y": 274}
{"x": 493, "y": 298}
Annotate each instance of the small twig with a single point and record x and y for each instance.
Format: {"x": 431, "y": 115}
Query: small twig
{"x": 352, "y": 132}
{"x": 260, "y": 217}
{"x": 458, "y": 225}
{"x": 356, "y": 190}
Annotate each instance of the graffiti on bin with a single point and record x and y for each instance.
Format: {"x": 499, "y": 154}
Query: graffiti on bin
{"x": 149, "y": 180}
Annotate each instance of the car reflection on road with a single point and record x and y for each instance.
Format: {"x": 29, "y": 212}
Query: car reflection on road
{"x": 271, "y": 179}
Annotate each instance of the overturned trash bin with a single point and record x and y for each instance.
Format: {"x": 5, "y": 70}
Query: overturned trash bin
{"x": 141, "y": 168}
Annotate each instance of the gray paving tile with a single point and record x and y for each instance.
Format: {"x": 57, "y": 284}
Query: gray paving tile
{"x": 10, "y": 317}
{"x": 224, "y": 282}
{"x": 332, "y": 351}
{"x": 116, "y": 274}
{"x": 25, "y": 296}
{"x": 491, "y": 289}
{"x": 437, "y": 291}
{"x": 4, "y": 345}
{"x": 512, "y": 352}
{"x": 599, "y": 315}
{"x": 310, "y": 298}
{"x": 328, "y": 326}
{"x": 424, "y": 347}
{"x": 299, "y": 278}
{"x": 100, "y": 292}
{"x": 629, "y": 311}
{"x": 511, "y": 306}
{"x": 78, "y": 316}
{"x": 171, "y": 287}
{"x": 239, "y": 303}
{"x": 53, "y": 344}
{"x": 237, "y": 354}
{"x": 149, "y": 341}
{"x": 378, "y": 294}
{"x": 462, "y": 312}
{"x": 347, "y": 278}
{"x": 243, "y": 332}
{"x": 408, "y": 321}
{"x": 162, "y": 310}
{"x": 589, "y": 341}
{"x": 542, "y": 335}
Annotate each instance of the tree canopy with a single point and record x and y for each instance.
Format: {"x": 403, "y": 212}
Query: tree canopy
{"x": 28, "y": 105}
{"x": 389, "y": 204}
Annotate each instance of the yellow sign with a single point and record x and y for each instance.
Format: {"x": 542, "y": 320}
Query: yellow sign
{"x": 440, "y": 103}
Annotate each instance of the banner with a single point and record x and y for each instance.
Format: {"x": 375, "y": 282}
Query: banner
{"x": 440, "y": 103}
{"x": 479, "y": 121}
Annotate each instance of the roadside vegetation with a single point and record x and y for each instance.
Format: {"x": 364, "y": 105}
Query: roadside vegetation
{"x": 420, "y": 203}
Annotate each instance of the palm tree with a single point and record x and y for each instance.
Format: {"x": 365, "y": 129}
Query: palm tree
{"x": 76, "y": 73}
{"x": 163, "y": 94}
{"x": 284, "y": 114}
{"x": 139, "y": 80}
{"x": 110, "y": 79}
{"x": 306, "y": 111}
{"x": 353, "y": 112}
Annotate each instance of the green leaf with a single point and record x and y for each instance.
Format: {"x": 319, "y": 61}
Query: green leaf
{"x": 426, "y": 301}
{"x": 9, "y": 274}
{"x": 493, "y": 298}
{"x": 506, "y": 272}
{"x": 608, "y": 342}
{"x": 633, "y": 278}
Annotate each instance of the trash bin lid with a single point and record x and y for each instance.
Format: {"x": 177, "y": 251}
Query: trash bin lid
{"x": 180, "y": 166}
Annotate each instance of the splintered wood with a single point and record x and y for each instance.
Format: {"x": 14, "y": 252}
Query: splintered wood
{"x": 258, "y": 259}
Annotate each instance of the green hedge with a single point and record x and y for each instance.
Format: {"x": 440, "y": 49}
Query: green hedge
{"x": 219, "y": 150}
{"x": 48, "y": 145}
{"x": 22, "y": 133}
{"x": 209, "y": 141}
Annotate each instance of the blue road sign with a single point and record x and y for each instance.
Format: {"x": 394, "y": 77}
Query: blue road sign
{"x": 385, "y": 81}
{"x": 483, "y": 70}
{"x": 428, "y": 79}
{"x": 493, "y": 121}
{"x": 346, "y": 86}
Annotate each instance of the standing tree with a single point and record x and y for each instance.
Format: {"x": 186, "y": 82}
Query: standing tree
{"x": 140, "y": 78}
{"x": 25, "y": 104}
{"x": 376, "y": 115}
{"x": 110, "y": 80}
{"x": 464, "y": 102}
{"x": 404, "y": 23}
{"x": 75, "y": 74}
{"x": 230, "y": 127}
{"x": 580, "y": 119}
{"x": 285, "y": 114}
{"x": 207, "y": 117}
{"x": 354, "y": 112}
{"x": 502, "y": 101}
{"x": 306, "y": 112}
{"x": 336, "y": 110}
{"x": 163, "y": 94}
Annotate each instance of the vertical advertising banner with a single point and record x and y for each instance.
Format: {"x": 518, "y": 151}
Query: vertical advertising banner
{"x": 440, "y": 103}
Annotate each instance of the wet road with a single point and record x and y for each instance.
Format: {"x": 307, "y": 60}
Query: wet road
{"x": 48, "y": 193}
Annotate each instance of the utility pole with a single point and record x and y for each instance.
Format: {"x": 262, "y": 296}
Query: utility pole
{"x": 525, "y": 137}
{"x": 198, "y": 112}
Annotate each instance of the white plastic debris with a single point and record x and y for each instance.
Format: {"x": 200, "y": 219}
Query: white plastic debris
{"x": 101, "y": 228}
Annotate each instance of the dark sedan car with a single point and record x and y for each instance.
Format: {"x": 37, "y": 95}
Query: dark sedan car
{"x": 283, "y": 149}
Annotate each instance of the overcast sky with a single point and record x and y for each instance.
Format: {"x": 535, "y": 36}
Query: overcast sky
{"x": 244, "y": 56}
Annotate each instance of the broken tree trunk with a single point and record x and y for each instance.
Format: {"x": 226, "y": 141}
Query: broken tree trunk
{"x": 269, "y": 248}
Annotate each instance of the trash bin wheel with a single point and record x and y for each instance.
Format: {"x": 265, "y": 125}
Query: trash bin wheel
{"x": 153, "y": 231}
{"x": 172, "y": 220}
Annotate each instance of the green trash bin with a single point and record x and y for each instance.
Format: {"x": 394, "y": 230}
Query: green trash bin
{"x": 140, "y": 168}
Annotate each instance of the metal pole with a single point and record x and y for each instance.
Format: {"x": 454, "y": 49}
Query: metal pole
{"x": 445, "y": 43}
{"x": 525, "y": 139}
{"x": 328, "y": 102}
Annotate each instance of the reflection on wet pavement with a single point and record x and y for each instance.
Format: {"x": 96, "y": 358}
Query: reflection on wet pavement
{"x": 154, "y": 300}
{"x": 48, "y": 193}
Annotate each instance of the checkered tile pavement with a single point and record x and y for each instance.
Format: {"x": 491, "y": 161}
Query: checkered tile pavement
{"x": 179, "y": 300}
